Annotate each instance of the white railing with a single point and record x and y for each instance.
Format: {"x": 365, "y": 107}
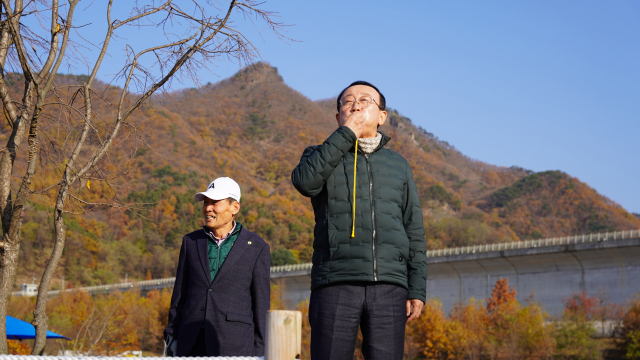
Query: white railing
{"x": 527, "y": 244}
{"x": 120, "y": 286}
{"x": 168, "y": 282}
{"x": 123, "y": 286}
{"x": 292, "y": 267}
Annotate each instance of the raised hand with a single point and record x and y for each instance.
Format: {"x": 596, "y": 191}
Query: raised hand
{"x": 356, "y": 122}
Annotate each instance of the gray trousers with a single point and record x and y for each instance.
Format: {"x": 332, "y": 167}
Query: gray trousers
{"x": 336, "y": 311}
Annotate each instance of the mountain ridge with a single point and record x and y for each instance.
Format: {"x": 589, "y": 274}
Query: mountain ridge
{"x": 253, "y": 128}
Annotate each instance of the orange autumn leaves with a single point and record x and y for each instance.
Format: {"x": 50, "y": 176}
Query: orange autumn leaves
{"x": 106, "y": 325}
{"x": 501, "y": 329}
{"x": 498, "y": 328}
{"x": 15, "y": 347}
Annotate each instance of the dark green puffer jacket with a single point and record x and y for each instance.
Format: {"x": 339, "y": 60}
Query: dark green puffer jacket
{"x": 389, "y": 244}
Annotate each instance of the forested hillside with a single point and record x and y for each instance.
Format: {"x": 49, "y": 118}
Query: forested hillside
{"x": 253, "y": 127}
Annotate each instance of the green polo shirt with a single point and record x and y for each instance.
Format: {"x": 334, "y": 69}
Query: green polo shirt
{"x": 218, "y": 254}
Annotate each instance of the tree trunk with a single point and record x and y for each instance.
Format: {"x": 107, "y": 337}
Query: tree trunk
{"x": 9, "y": 262}
{"x": 10, "y": 245}
{"x": 40, "y": 313}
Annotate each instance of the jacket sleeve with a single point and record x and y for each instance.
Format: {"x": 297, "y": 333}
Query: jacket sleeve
{"x": 179, "y": 293}
{"x": 414, "y": 227}
{"x": 261, "y": 299}
{"x": 317, "y": 162}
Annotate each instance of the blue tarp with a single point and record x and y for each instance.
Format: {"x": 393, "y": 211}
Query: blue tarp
{"x": 20, "y": 330}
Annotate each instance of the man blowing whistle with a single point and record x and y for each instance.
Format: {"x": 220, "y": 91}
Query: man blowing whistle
{"x": 369, "y": 258}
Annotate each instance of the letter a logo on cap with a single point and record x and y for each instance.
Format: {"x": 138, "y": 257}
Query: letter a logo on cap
{"x": 213, "y": 185}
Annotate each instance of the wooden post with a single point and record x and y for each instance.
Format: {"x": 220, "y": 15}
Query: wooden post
{"x": 284, "y": 335}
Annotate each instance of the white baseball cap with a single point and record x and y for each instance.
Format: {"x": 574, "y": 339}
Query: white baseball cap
{"x": 220, "y": 188}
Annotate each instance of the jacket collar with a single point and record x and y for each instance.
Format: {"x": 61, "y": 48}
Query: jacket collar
{"x": 236, "y": 227}
{"x": 383, "y": 142}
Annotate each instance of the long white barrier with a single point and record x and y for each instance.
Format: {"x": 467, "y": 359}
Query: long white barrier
{"x": 526, "y": 244}
{"x": 523, "y": 244}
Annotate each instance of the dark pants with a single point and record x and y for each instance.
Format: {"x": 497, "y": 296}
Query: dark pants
{"x": 336, "y": 311}
{"x": 199, "y": 348}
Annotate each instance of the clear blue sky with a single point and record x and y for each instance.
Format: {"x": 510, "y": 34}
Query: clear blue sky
{"x": 544, "y": 85}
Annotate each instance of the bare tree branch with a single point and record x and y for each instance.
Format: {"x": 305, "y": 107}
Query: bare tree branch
{"x": 70, "y": 140}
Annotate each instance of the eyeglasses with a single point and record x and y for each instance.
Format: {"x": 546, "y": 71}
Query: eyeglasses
{"x": 363, "y": 102}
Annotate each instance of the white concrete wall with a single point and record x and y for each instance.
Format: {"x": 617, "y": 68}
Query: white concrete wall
{"x": 548, "y": 275}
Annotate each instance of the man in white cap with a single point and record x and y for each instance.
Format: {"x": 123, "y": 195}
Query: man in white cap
{"x": 222, "y": 292}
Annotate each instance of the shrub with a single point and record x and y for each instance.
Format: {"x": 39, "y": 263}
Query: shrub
{"x": 283, "y": 257}
{"x": 573, "y": 332}
{"x": 573, "y": 339}
{"x": 630, "y": 331}
{"x": 428, "y": 333}
{"x": 15, "y": 347}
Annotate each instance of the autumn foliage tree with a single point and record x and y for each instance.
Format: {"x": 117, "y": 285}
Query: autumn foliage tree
{"x": 469, "y": 331}
{"x": 502, "y": 296}
{"x": 105, "y": 325}
{"x": 501, "y": 329}
{"x": 515, "y": 331}
{"x": 429, "y": 334}
{"x": 630, "y": 331}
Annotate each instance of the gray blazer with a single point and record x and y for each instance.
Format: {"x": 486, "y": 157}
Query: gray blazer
{"x": 233, "y": 307}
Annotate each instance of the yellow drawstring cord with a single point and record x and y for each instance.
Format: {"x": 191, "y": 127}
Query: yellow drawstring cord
{"x": 355, "y": 163}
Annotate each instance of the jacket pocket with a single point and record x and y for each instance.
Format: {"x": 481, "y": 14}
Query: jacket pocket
{"x": 234, "y": 317}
